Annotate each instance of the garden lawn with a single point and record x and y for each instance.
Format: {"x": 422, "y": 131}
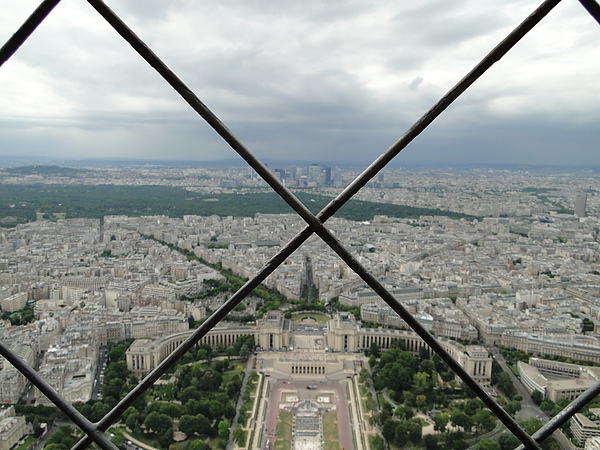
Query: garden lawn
{"x": 284, "y": 431}
{"x": 320, "y": 318}
{"x": 330, "y": 431}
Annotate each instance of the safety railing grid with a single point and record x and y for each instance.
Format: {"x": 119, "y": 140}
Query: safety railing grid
{"x": 315, "y": 225}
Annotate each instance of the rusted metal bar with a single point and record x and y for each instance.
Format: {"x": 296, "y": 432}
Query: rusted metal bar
{"x": 77, "y": 418}
{"x": 593, "y": 7}
{"x": 25, "y": 30}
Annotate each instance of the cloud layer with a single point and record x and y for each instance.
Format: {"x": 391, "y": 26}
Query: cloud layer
{"x": 312, "y": 81}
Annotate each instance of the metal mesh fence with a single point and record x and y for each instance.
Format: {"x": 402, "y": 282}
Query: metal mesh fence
{"x": 314, "y": 225}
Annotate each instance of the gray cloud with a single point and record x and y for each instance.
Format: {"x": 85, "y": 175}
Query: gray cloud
{"x": 318, "y": 81}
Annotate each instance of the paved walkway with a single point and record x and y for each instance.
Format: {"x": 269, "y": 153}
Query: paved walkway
{"x": 528, "y": 408}
{"x": 358, "y": 418}
{"x": 258, "y": 412}
{"x": 268, "y": 412}
{"x": 138, "y": 443}
{"x": 249, "y": 369}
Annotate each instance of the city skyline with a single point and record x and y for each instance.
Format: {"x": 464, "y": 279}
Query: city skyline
{"x": 521, "y": 275}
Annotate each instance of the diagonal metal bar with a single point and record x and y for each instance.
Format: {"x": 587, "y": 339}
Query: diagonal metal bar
{"x": 569, "y": 411}
{"x": 292, "y": 246}
{"x": 299, "y": 208}
{"x": 25, "y": 30}
{"x": 419, "y": 126}
{"x": 204, "y": 328}
{"x": 360, "y": 181}
{"x": 488, "y": 61}
{"x": 323, "y": 232}
{"x": 203, "y": 111}
{"x": 77, "y": 418}
{"x": 433, "y": 343}
{"x": 434, "y": 112}
{"x": 593, "y": 7}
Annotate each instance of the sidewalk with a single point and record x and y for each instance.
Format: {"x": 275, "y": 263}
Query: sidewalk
{"x": 138, "y": 443}
{"x": 258, "y": 412}
{"x": 358, "y": 418}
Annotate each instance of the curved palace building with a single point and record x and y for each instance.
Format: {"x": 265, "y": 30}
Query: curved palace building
{"x": 289, "y": 350}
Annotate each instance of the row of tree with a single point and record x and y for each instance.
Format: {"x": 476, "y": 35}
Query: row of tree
{"x": 271, "y": 299}
{"x": 24, "y": 202}
{"x": 62, "y": 439}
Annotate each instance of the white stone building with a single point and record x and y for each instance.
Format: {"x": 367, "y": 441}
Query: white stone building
{"x": 12, "y": 428}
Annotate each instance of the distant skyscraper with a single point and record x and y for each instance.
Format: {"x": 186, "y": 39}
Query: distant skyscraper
{"x": 296, "y": 173}
{"x": 314, "y": 173}
{"x": 337, "y": 175}
{"x": 327, "y": 172}
{"x": 580, "y": 205}
{"x": 280, "y": 174}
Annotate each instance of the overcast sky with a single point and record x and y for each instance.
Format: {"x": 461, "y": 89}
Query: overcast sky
{"x": 315, "y": 81}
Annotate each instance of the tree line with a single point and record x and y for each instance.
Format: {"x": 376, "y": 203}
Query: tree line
{"x": 23, "y": 203}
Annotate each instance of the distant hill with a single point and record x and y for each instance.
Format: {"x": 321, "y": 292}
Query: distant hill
{"x": 47, "y": 170}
